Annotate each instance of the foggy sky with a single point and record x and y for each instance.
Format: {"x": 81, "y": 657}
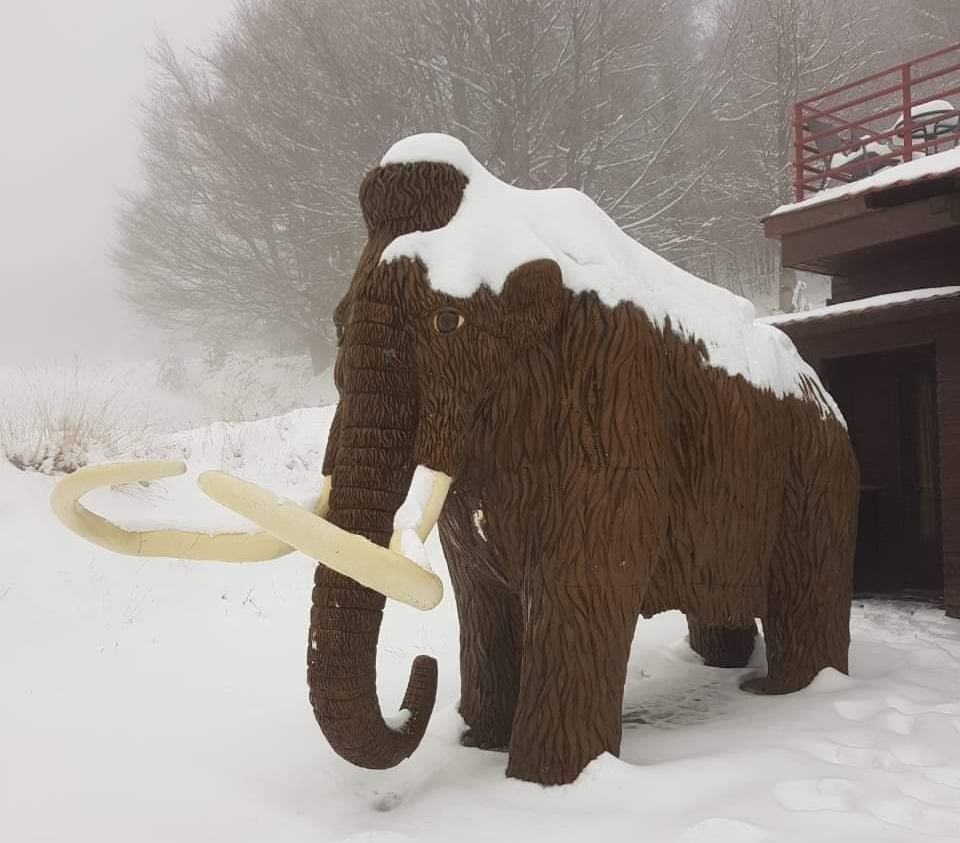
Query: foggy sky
{"x": 71, "y": 73}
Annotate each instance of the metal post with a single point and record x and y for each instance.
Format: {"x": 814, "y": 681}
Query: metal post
{"x": 798, "y": 152}
{"x": 907, "y": 114}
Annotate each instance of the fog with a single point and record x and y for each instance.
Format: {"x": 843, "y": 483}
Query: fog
{"x": 246, "y": 225}
{"x": 71, "y": 75}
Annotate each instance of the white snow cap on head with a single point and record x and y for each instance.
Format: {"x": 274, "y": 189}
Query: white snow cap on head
{"x": 499, "y": 227}
{"x": 435, "y": 147}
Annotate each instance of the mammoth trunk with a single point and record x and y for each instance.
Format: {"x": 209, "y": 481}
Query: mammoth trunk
{"x": 370, "y": 457}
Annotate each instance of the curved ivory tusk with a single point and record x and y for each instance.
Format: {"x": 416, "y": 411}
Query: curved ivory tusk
{"x": 323, "y": 502}
{"x": 427, "y": 506}
{"x": 351, "y": 555}
{"x": 255, "y": 546}
{"x": 431, "y": 512}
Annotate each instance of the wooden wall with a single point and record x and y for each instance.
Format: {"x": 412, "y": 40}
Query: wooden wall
{"x": 844, "y": 337}
{"x": 930, "y": 262}
{"x": 948, "y": 411}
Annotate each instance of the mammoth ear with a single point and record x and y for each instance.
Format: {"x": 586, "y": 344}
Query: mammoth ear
{"x": 531, "y": 299}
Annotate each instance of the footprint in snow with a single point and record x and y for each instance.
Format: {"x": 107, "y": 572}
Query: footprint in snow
{"x": 917, "y": 816}
{"x": 915, "y": 755}
{"x": 892, "y": 715}
{"x": 682, "y": 707}
{"x": 864, "y": 758}
{"x": 939, "y": 795}
{"x": 725, "y": 830}
{"x": 857, "y": 710}
{"x": 386, "y": 802}
{"x": 817, "y": 794}
{"x": 949, "y": 776}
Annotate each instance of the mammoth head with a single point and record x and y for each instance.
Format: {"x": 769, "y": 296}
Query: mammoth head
{"x": 428, "y": 348}
{"x": 416, "y": 359}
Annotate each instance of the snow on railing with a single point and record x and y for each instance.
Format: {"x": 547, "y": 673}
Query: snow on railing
{"x": 889, "y": 118}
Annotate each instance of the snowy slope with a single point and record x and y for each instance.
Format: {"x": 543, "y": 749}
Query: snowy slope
{"x": 156, "y": 700}
{"x": 499, "y": 227}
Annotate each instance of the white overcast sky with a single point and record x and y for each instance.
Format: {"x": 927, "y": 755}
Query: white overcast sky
{"x": 71, "y": 75}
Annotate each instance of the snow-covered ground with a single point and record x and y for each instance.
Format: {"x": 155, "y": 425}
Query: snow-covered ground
{"x": 157, "y": 700}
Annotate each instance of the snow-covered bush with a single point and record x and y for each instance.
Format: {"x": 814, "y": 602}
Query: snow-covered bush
{"x": 55, "y": 419}
{"x": 55, "y": 422}
{"x": 251, "y": 385}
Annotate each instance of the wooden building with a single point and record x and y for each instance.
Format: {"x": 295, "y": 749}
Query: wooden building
{"x": 887, "y": 344}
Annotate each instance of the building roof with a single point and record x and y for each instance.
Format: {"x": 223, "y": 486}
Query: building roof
{"x": 888, "y": 301}
{"x": 890, "y": 308}
{"x": 938, "y": 165}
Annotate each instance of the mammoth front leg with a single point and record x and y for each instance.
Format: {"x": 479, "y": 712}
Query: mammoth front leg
{"x": 490, "y": 626}
{"x": 575, "y": 650}
{"x": 582, "y": 590}
{"x": 489, "y": 658}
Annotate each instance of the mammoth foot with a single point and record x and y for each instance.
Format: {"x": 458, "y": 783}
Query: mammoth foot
{"x": 764, "y": 686}
{"x": 480, "y": 738}
{"x": 722, "y": 646}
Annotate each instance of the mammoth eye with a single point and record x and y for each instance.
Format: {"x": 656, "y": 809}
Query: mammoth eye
{"x": 339, "y": 328}
{"x": 447, "y": 321}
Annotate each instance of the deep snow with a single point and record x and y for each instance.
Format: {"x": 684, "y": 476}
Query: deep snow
{"x": 158, "y": 700}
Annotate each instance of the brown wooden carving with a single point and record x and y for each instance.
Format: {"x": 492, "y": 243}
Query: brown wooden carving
{"x": 601, "y": 471}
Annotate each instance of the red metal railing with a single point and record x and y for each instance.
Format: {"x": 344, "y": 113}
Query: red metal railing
{"x": 882, "y": 120}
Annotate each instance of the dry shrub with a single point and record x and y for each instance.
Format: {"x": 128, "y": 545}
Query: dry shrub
{"x": 55, "y": 421}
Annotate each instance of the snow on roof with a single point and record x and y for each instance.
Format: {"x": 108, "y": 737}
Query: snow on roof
{"x": 920, "y": 169}
{"x": 499, "y": 227}
{"x": 884, "y": 302}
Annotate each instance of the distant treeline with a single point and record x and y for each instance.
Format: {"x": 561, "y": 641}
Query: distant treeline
{"x": 674, "y": 115}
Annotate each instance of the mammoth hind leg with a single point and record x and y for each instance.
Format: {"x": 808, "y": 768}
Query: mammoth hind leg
{"x": 721, "y": 646}
{"x": 807, "y": 619}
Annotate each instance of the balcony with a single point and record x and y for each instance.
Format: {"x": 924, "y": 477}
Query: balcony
{"x": 884, "y": 120}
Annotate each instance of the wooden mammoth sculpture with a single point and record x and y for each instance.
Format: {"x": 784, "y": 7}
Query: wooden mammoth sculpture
{"x": 601, "y": 435}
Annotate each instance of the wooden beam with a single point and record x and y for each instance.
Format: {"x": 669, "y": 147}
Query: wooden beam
{"x": 836, "y": 246}
{"x": 862, "y": 332}
{"x": 790, "y": 222}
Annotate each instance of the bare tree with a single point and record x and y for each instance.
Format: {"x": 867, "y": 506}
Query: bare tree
{"x": 938, "y": 19}
{"x": 674, "y": 115}
{"x": 253, "y": 151}
{"x": 252, "y": 155}
{"x": 781, "y": 51}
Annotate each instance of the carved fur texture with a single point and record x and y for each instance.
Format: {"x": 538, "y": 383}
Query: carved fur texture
{"x": 601, "y": 472}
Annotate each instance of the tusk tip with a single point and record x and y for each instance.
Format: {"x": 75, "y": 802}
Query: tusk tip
{"x": 212, "y": 479}
{"x": 177, "y": 468}
{"x": 433, "y": 600}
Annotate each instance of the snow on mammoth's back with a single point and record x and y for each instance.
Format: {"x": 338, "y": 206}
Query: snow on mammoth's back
{"x": 498, "y": 227}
